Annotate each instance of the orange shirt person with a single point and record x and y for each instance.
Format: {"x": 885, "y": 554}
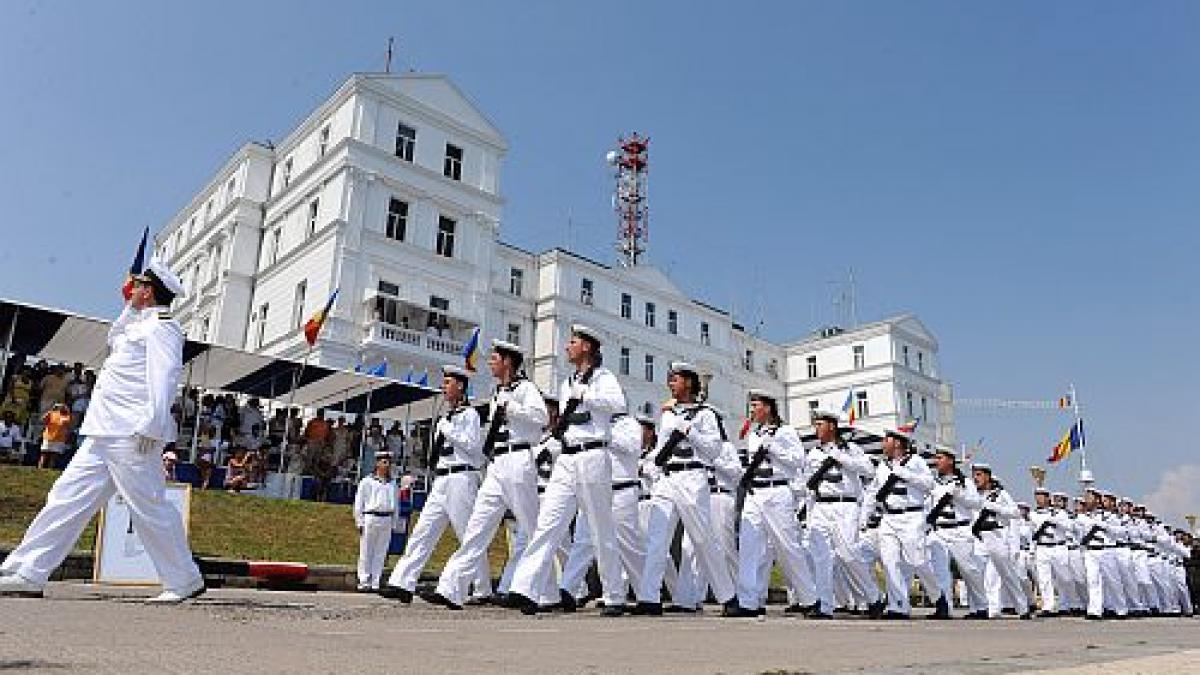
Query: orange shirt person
{"x": 57, "y": 430}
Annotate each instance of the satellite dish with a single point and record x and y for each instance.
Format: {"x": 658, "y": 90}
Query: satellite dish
{"x": 612, "y": 157}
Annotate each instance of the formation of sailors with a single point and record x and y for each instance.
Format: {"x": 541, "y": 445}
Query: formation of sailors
{"x": 586, "y": 483}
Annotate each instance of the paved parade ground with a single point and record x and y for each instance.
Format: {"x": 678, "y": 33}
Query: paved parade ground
{"x": 83, "y": 628}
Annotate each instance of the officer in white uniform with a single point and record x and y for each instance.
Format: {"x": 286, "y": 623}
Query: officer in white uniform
{"x": 834, "y": 471}
{"x": 517, "y": 417}
{"x": 1052, "y": 570}
{"x": 1141, "y": 545}
{"x": 1096, "y": 541}
{"x": 376, "y": 513}
{"x": 723, "y": 480}
{"x": 768, "y": 525}
{"x": 582, "y": 479}
{"x": 458, "y": 454}
{"x": 901, "y": 486}
{"x": 126, "y": 426}
{"x": 689, "y": 440}
{"x": 996, "y": 514}
{"x": 953, "y": 503}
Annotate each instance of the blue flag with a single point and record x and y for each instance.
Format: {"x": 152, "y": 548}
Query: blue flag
{"x": 424, "y": 381}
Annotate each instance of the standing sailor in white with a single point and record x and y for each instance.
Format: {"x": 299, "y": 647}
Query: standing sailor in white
{"x": 126, "y": 426}
{"x": 954, "y": 501}
{"x": 376, "y": 513}
{"x": 692, "y": 587}
{"x": 768, "y": 518}
{"x": 902, "y": 483}
{"x": 995, "y": 514}
{"x": 518, "y": 415}
{"x": 582, "y": 479}
{"x": 1096, "y": 541}
{"x": 833, "y": 472}
{"x": 454, "y": 460}
{"x": 1052, "y": 569}
{"x": 689, "y": 440}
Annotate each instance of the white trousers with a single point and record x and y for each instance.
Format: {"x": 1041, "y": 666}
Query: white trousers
{"x": 769, "y": 522}
{"x": 1076, "y": 597}
{"x": 511, "y": 483}
{"x": 670, "y": 572}
{"x": 1100, "y": 582}
{"x": 101, "y": 467}
{"x": 958, "y": 544}
{"x": 1129, "y": 586}
{"x": 683, "y": 496}
{"x": 903, "y": 552}
{"x": 581, "y": 481}
{"x": 373, "y": 545}
{"x": 449, "y": 503}
{"x": 1141, "y": 573}
{"x": 831, "y": 538}
{"x": 1053, "y": 573}
{"x": 1001, "y": 578}
{"x": 693, "y": 586}
{"x": 630, "y": 543}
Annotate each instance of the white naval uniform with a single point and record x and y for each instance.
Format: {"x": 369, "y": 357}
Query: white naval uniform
{"x": 950, "y": 538}
{"x": 1102, "y": 582}
{"x": 692, "y": 586}
{"x": 126, "y": 426}
{"x": 682, "y": 495}
{"x": 510, "y": 484}
{"x": 1125, "y": 563}
{"x": 625, "y": 451}
{"x": 769, "y": 518}
{"x": 902, "y": 547}
{"x": 833, "y": 519}
{"x": 455, "y": 482}
{"x": 376, "y": 513}
{"x": 581, "y": 480}
{"x": 649, "y": 474}
{"x": 996, "y": 546}
{"x": 1052, "y": 569}
{"x": 1076, "y": 598}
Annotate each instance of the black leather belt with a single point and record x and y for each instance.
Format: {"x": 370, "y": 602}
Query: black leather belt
{"x": 1050, "y": 544}
{"x": 675, "y": 467}
{"x": 769, "y": 483}
{"x": 837, "y": 500}
{"x": 645, "y": 497}
{"x": 716, "y": 490}
{"x": 956, "y": 523}
{"x": 574, "y": 449}
{"x": 381, "y": 514}
{"x": 625, "y": 485}
{"x": 541, "y": 489}
{"x": 513, "y": 447}
{"x": 455, "y": 469}
{"x": 907, "y": 509}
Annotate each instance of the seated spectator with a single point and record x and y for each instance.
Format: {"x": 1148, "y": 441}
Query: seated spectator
{"x": 251, "y": 426}
{"x": 212, "y": 451}
{"x": 57, "y": 429}
{"x": 79, "y": 394}
{"x": 170, "y": 459}
{"x": 237, "y": 477}
{"x": 11, "y": 441}
{"x": 20, "y": 392}
{"x": 53, "y": 389}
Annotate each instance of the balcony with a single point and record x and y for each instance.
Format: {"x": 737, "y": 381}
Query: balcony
{"x": 390, "y": 336}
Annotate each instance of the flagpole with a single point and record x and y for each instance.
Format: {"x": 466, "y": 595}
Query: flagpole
{"x": 1085, "y": 475}
{"x": 292, "y": 397}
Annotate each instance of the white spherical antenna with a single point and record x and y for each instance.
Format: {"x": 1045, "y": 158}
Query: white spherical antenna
{"x": 612, "y": 157}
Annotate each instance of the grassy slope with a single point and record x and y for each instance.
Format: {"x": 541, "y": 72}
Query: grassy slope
{"x": 229, "y": 526}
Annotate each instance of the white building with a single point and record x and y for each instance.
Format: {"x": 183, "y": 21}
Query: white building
{"x": 390, "y": 193}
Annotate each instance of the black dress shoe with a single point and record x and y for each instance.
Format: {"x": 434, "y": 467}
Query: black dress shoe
{"x": 566, "y": 601}
{"x": 396, "y": 593}
{"x": 941, "y": 609}
{"x": 796, "y": 609}
{"x": 1109, "y": 614}
{"x": 875, "y": 609}
{"x": 435, "y": 598}
{"x": 736, "y": 611}
{"x": 677, "y": 609}
{"x": 1047, "y": 615}
{"x": 820, "y": 615}
{"x": 481, "y": 601}
{"x": 1026, "y": 616}
{"x": 1094, "y": 617}
{"x": 895, "y": 616}
{"x": 980, "y": 615}
{"x": 614, "y": 610}
{"x": 1009, "y": 611}
{"x": 647, "y": 609}
{"x": 527, "y": 606}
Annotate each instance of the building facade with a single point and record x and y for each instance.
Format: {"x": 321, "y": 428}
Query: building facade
{"x": 389, "y": 192}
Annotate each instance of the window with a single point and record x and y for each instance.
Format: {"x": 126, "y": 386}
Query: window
{"x": 813, "y": 404}
{"x": 179, "y": 241}
{"x": 650, "y": 314}
{"x": 191, "y": 229}
{"x": 924, "y": 408}
{"x": 287, "y": 172}
{"x": 586, "y": 291}
{"x": 860, "y": 358}
{"x": 215, "y": 270}
{"x": 323, "y": 141}
{"x": 196, "y": 276}
{"x": 623, "y": 364}
{"x": 812, "y": 366}
{"x": 904, "y": 355}
{"x": 516, "y": 281}
{"x": 397, "y": 219}
{"x": 513, "y": 334}
{"x": 648, "y": 409}
{"x": 908, "y": 399}
{"x": 437, "y": 315}
{"x": 864, "y": 410}
{"x": 452, "y": 166}
{"x": 204, "y": 329}
{"x": 748, "y": 360}
{"x": 313, "y": 207}
{"x": 920, "y": 362}
{"x": 262, "y": 324}
{"x": 406, "y": 141}
{"x": 626, "y": 306}
{"x": 672, "y": 322}
{"x": 208, "y": 211}
{"x": 445, "y": 237}
{"x": 275, "y": 234}
{"x": 705, "y": 336}
{"x": 298, "y": 304}
{"x": 230, "y": 189}
{"x": 649, "y": 367}
{"x": 387, "y": 308}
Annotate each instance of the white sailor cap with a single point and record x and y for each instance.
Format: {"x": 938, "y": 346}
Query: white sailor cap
{"x": 457, "y": 372}
{"x": 900, "y": 435}
{"x": 507, "y": 347}
{"x": 1060, "y": 495}
{"x": 683, "y": 367}
{"x": 1041, "y": 491}
{"x": 171, "y": 455}
{"x": 157, "y": 271}
{"x": 645, "y": 420}
{"x": 586, "y": 332}
{"x": 827, "y": 415}
{"x": 383, "y": 454}
{"x": 1023, "y": 505}
{"x": 1125, "y": 500}
{"x": 982, "y": 466}
{"x": 945, "y": 450}
{"x": 761, "y": 395}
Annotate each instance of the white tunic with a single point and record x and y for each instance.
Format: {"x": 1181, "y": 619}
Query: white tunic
{"x": 376, "y": 497}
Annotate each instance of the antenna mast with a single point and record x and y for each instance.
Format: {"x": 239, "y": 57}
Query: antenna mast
{"x": 387, "y": 62}
{"x": 629, "y": 199}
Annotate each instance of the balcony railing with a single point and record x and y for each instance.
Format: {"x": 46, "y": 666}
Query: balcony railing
{"x": 389, "y": 335}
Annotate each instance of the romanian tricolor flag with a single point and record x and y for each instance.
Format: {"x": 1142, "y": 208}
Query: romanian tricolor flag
{"x": 471, "y": 351}
{"x": 849, "y": 408}
{"x": 313, "y": 327}
{"x": 139, "y": 264}
{"x": 1072, "y": 440}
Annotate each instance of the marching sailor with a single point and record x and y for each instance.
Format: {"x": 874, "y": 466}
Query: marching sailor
{"x": 722, "y": 486}
{"x": 1052, "y": 569}
{"x": 581, "y": 480}
{"x": 995, "y": 544}
{"x": 125, "y": 428}
{"x": 455, "y": 460}
{"x": 376, "y": 513}
{"x": 517, "y": 416}
{"x": 954, "y": 501}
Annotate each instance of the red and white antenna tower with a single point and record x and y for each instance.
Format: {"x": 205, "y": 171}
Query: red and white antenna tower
{"x": 629, "y": 199}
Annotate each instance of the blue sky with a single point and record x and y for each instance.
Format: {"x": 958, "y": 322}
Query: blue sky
{"x": 1021, "y": 175}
